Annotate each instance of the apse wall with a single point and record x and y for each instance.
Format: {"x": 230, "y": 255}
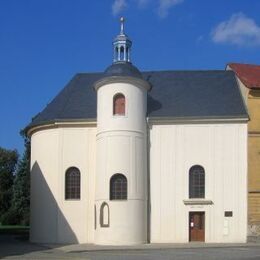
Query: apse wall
{"x": 53, "y": 218}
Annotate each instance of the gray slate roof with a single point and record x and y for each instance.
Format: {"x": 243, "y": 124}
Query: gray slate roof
{"x": 174, "y": 94}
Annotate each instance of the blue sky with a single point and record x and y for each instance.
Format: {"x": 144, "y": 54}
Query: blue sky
{"x": 43, "y": 43}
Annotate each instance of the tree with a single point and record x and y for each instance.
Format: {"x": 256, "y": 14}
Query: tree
{"x": 21, "y": 187}
{"x": 8, "y": 161}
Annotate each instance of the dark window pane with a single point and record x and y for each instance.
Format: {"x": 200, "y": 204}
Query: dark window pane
{"x": 196, "y": 182}
{"x": 118, "y": 187}
{"x": 119, "y": 104}
{"x": 72, "y": 183}
{"x": 228, "y": 214}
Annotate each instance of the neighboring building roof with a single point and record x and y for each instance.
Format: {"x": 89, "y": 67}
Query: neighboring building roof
{"x": 174, "y": 94}
{"x": 249, "y": 74}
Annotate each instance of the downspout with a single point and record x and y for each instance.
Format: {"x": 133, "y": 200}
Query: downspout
{"x": 148, "y": 184}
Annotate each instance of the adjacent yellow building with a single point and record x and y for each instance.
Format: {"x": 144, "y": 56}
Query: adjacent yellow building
{"x": 248, "y": 77}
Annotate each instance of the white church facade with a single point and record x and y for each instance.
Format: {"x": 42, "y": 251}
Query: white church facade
{"x": 127, "y": 157}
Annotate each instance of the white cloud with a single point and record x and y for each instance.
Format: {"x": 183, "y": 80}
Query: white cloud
{"x": 238, "y": 30}
{"x": 118, "y": 6}
{"x": 165, "y": 5}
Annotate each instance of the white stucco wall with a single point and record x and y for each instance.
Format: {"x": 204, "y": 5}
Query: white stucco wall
{"x": 126, "y": 154}
{"x": 121, "y": 148}
{"x": 222, "y": 150}
{"x": 135, "y": 104}
{"x": 54, "y": 219}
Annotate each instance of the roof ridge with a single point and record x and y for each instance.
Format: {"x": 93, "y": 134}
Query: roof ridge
{"x": 245, "y": 64}
{"x": 155, "y": 71}
{"x": 215, "y": 70}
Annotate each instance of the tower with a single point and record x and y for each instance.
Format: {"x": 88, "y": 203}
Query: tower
{"x": 121, "y": 177}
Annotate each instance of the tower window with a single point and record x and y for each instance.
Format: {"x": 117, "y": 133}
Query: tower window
{"x": 72, "y": 183}
{"x": 196, "y": 182}
{"x": 118, "y": 187}
{"x": 119, "y": 104}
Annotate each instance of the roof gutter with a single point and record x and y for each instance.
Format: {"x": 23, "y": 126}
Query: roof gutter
{"x": 196, "y": 120}
{"x": 29, "y": 130}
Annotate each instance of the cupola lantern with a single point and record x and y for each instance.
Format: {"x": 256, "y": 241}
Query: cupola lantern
{"x": 122, "y": 45}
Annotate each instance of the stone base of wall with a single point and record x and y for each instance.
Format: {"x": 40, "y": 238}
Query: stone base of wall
{"x": 253, "y": 233}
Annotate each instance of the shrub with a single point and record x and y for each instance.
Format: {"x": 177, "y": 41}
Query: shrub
{"x": 10, "y": 217}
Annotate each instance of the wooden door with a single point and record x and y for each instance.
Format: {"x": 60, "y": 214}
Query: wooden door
{"x": 197, "y": 226}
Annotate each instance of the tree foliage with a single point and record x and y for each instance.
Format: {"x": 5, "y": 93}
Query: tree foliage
{"x": 21, "y": 187}
{"x": 8, "y": 161}
{"x": 15, "y": 186}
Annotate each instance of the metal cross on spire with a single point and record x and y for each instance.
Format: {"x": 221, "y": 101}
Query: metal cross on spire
{"x": 122, "y": 21}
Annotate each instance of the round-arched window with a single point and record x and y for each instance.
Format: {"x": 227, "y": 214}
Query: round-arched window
{"x": 119, "y": 104}
{"x": 118, "y": 187}
{"x": 196, "y": 182}
{"x": 72, "y": 183}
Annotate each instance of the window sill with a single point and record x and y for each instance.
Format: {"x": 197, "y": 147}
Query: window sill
{"x": 118, "y": 199}
{"x": 119, "y": 116}
{"x": 198, "y": 202}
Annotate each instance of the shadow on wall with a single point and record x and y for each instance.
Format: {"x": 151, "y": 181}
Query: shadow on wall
{"x": 48, "y": 224}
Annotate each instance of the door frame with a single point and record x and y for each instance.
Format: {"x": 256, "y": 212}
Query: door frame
{"x": 202, "y": 213}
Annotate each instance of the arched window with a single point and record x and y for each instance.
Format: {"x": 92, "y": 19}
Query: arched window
{"x": 196, "y": 182}
{"x": 122, "y": 53}
{"x": 104, "y": 215}
{"x": 118, "y": 187}
{"x": 116, "y": 52}
{"x": 72, "y": 183}
{"x": 95, "y": 215}
{"x": 119, "y": 104}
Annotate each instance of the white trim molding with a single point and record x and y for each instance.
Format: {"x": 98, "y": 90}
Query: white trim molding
{"x": 198, "y": 202}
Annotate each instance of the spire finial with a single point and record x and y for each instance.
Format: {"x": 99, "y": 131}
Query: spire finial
{"x": 122, "y": 45}
{"x": 122, "y": 21}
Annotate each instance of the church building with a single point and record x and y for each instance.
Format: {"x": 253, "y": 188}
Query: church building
{"x": 126, "y": 157}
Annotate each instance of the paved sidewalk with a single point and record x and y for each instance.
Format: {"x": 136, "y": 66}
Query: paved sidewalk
{"x": 93, "y": 247}
{"x": 13, "y": 247}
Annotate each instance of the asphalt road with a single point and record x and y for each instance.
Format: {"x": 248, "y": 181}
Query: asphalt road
{"x": 11, "y": 248}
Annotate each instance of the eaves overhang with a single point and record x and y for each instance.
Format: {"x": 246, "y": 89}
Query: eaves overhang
{"x": 197, "y": 120}
{"x": 32, "y": 128}
{"x": 122, "y": 79}
{"x": 92, "y": 122}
